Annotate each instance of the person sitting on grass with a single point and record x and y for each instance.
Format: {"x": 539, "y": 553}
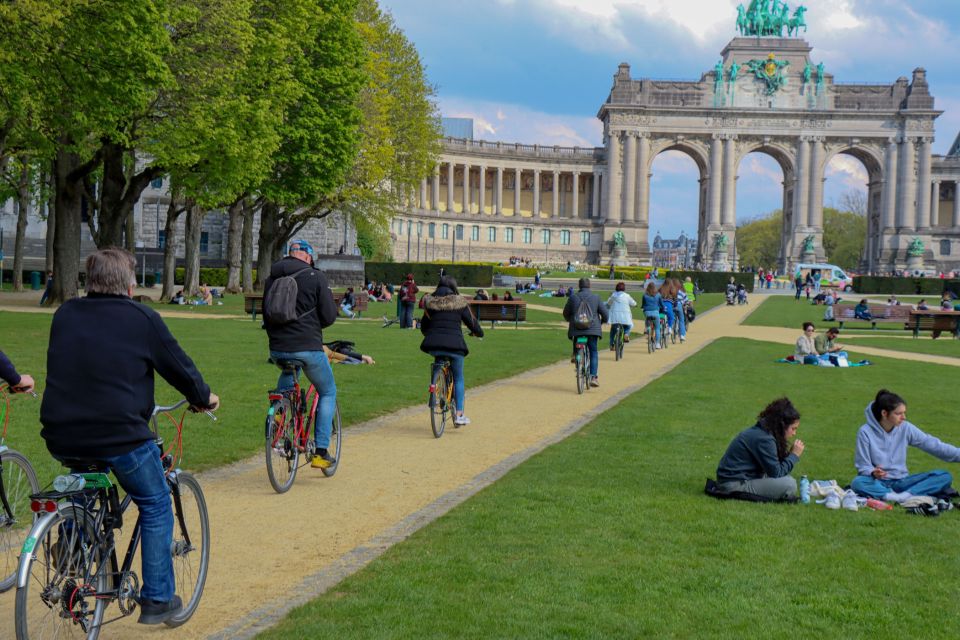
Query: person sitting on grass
{"x": 881, "y": 454}
{"x": 806, "y": 351}
{"x": 759, "y": 460}
{"x": 862, "y": 311}
{"x": 825, "y": 343}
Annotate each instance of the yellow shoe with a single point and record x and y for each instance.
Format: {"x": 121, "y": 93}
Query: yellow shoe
{"x": 322, "y": 461}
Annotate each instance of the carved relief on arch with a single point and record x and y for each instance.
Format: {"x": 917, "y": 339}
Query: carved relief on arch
{"x": 696, "y": 149}
{"x": 631, "y": 119}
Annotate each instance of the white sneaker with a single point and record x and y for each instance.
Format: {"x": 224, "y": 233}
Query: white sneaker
{"x": 832, "y": 501}
{"x": 683, "y": 339}
{"x": 849, "y": 501}
{"x": 899, "y": 498}
{"x": 461, "y": 420}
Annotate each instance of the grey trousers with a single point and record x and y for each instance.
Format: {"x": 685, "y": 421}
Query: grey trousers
{"x": 774, "y": 488}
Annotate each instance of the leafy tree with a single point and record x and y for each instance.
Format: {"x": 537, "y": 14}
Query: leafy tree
{"x": 844, "y": 237}
{"x": 758, "y": 240}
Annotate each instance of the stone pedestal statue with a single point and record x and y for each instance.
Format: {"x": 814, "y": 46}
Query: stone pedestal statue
{"x": 915, "y": 253}
{"x": 618, "y": 257}
{"x": 809, "y": 252}
{"x": 720, "y": 257}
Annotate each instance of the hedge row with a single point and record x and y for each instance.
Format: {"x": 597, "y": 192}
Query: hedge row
{"x": 518, "y": 272}
{"x": 624, "y": 273}
{"x": 467, "y": 275}
{"x": 714, "y": 281}
{"x": 904, "y": 286}
{"x": 213, "y": 276}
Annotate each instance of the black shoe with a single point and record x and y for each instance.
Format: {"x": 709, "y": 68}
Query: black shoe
{"x": 155, "y": 612}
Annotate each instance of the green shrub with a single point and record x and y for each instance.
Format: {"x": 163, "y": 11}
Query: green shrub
{"x": 467, "y": 275}
{"x": 215, "y": 277}
{"x": 624, "y": 273}
{"x": 519, "y": 272}
{"x": 902, "y": 286}
{"x": 150, "y": 280}
{"x": 714, "y": 281}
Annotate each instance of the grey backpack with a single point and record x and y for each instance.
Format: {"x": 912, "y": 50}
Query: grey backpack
{"x": 583, "y": 318}
{"x": 280, "y": 307}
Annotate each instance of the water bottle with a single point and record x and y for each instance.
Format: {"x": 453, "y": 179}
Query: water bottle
{"x": 69, "y": 482}
{"x": 804, "y": 490}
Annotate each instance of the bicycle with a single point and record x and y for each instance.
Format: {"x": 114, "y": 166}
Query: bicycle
{"x": 441, "y": 401}
{"x": 581, "y": 363}
{"x": 674, "y": 327}
{"x": 618, "y": 335}
{"x": 663, "y": 331}
{"x": 69, "y": 571}
{"x": 651, "y": 324}
{"x": 287, "y": 431}
{"x": 17, "y": 481}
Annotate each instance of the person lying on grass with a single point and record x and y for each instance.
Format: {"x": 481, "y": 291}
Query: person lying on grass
{"x": 760, "y": 459}
{"x": 881, "y": 454}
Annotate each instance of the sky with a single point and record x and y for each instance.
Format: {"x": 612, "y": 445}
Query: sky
{"x": 537, "y": 71}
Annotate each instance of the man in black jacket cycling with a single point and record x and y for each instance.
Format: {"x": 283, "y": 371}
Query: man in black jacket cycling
{"x": 302, "y": 338}
{"x": 103, "y": 352}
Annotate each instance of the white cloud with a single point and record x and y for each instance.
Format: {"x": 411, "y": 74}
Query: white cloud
{"x": 760, "y": 164}
{"x": 850, "y": 171}
{"x": 514, "y": 123}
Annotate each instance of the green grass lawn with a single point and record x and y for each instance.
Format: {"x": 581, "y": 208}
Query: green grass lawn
{"x": 608, "y": 534}
{"x": 232, "y": 353}
{"x": 945, "y": 345}
{"x": 784, "y": 311}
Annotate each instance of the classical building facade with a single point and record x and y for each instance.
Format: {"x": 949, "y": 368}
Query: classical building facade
{"x": 490, "y": 200}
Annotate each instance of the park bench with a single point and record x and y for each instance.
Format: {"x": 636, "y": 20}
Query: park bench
{"x": 500, "y": 280}
{"x": 499, "y": 311}
{"x": 934, "y": 320}
{"x": 881, "y": 313}
{"x": 253, "y": 304}
{"x": 360, "y": 300}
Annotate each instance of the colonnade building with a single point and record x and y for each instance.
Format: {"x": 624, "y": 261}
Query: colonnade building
{"x": 491, "y": 200}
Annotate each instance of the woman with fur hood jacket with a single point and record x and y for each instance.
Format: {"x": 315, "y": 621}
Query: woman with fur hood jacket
{"x": 443, "y": 312}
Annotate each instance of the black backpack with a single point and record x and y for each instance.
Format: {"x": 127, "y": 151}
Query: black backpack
{"x": 280, "y": 307}
{"x": 583, "y": 318}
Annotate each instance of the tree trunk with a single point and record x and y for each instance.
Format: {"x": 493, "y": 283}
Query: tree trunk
{"x": 118, "y": 195}
{"x": 191, "y": 267}
{"x": 130, "y": 233}
{"x": 267, "y": 245}
{"x": 234, "y": 246}
{"x": 174, "y": 210}
{"x": 246, "y": 250}
{"x": 66, "y": 243}
{"x": 51, "y": 222}
{"x": 23, "y": 211}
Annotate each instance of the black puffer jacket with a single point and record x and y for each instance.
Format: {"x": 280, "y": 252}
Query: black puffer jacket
{"x": 443, "y": 311}
{"x": 313, "y": 293}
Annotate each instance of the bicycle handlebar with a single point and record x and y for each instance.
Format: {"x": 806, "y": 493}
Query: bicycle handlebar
{"x": 160, "y": 409}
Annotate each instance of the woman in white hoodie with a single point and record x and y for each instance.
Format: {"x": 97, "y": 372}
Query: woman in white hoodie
{"x": 619, "y": 304}
{"x": 881, "y": 455}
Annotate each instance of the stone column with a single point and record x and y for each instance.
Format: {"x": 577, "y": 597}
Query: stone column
{"x": 890, "y": 186}
{"x": 482, "y": 200}
{"x": 907, "y": 186}
{"x": 727, "y": 214}
{"x": 423, "y": 193}
{"x": 642, "y": 172}
{"x": 536, "y": 193}
{"x": 575, "y": 204}
{"x": 435, "y": 190}
{"x": 923, "y": 186}
{"x": 449, "y": 187}
{"x": 556, "y": 195}
{"x": 956, "y": 203}
{"x": 595, "y": 195}
{"x": 499, "y": 197}
{"x": 716, "y": 180}
{"x": 815, "y": 217}
{"x": 935, "y": 204}
{"x": 466, "y": 188}
{"x": 517, "y": 186}
{"x": 614, "y": 192}
{"x": 629, "y": 211}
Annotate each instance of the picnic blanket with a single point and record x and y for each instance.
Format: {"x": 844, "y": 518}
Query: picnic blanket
{"x": 839, "y": 359}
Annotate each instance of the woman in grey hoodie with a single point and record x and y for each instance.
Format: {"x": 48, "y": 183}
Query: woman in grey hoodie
{"x": 881, "y": 455}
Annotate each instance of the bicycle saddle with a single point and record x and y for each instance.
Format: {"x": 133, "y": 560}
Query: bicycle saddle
{"x": 291, "y": 363}
{"x": 83, "y": 465}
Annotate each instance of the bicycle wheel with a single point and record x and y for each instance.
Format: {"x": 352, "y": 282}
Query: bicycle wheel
{"x": 439, "y": 409}
{"x": 674, "y": 330}
{"x": 581, "y": 373}
{"x": 191, "y": 544}
{"x": 336, "y": 440}
{"x": 283, "y": 456}
{"x": 618, "y": 344}
{"x": 651, "y": 337}
{"x": 663, "y": 333}
{"x": 17, "y": 482}
{"x": 64, "y": 576}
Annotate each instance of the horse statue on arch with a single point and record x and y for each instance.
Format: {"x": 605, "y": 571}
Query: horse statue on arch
{"x": 797, "y": 21}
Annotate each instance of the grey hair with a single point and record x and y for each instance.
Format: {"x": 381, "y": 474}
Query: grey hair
{"x": 111, "y": 271}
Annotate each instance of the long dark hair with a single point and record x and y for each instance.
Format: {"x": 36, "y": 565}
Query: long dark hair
{"x": 450, "y": 283}
{"x": 775, "y": 418}
{"x": 885, "y": 401}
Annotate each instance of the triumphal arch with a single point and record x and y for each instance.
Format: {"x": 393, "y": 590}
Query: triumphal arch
{"x": 767, "y": 93}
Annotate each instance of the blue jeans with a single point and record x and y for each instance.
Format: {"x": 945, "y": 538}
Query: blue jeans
{"x": 668, "y": 311}
{"x": 681, "y": 320}
{"x": 594, "y": 354}
{"x": 319, "y": 373}
{"x": 406, "y": 314}
{"x": 347, "y": 310}
{"x": 456, "y": 366}
{"x": 626, "y": 330}
{"x": 930, "y": 483}
{"x": 140, "y": 474}
{"x": 656, "y": 321}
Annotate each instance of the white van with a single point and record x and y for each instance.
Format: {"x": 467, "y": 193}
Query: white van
{"x": 830, "y": 275}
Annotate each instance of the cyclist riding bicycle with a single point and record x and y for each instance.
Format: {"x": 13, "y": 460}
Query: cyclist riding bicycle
{"x": 651, "y": 309}
{"x": 301, "y": 337}
{"x": 8, "y": 373}
{"x": 619, "y": 304}
{"x": 443, "y": 312}
{"x": 598, "y": 315}
{"x": 103, "y": 352}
